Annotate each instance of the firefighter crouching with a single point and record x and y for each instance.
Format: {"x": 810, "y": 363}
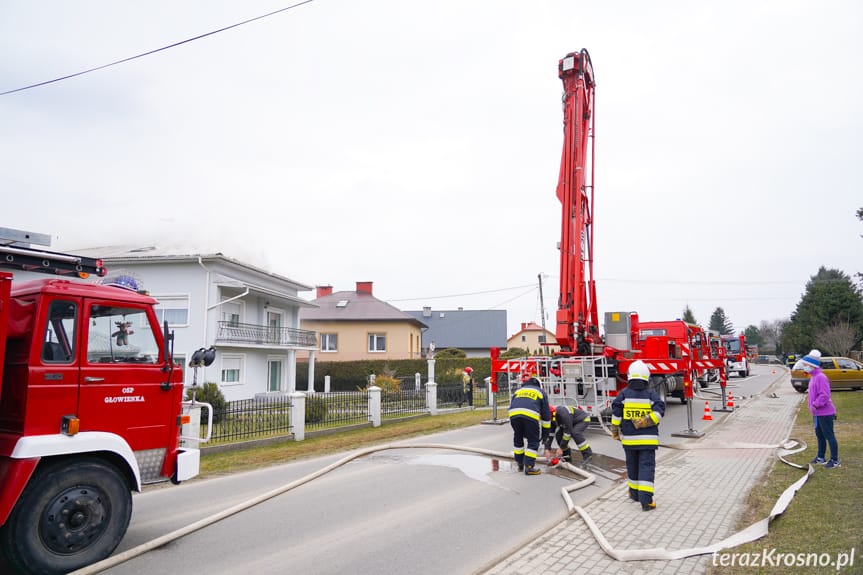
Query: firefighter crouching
{"x": 530, "y": 417}
{"x": 568, "y": 422}
{"x": 635, "y": 416}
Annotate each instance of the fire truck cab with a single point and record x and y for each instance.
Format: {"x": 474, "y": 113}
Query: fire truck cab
{"x": 735, "y": 354}
{"x": 91, "y": 408}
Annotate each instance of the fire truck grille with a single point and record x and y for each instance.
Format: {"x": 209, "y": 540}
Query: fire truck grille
{"x": 150, "y": 464}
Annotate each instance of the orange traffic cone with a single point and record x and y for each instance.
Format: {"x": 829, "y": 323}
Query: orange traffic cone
{"x": 707, "y": 416}
{"x": 730, "y": 400}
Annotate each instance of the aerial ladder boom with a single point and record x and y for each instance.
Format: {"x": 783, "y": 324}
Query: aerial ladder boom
{"x": 577, "y": 316}
{"x": 20, "y": 256}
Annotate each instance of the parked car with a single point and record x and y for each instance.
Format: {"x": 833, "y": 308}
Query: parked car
{"x": 842, "y": 372}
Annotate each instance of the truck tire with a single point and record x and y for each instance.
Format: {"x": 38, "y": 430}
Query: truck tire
{"x": 71, "y": 514}
{"x": 659, "y": 386}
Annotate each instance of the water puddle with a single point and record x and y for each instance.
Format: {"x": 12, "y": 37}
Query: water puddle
{"x": 485, "y": 469}
{"x": 475, "y": 467}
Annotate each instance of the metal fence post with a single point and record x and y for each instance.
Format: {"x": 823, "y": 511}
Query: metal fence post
{"x": 431, "y": 397}
{"x": 492, "y": 401}
{"x": 298, "y": 415}
{"x": 375, "y": 405}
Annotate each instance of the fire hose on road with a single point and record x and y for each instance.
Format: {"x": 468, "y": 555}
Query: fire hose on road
{"x": 753, "y": 532}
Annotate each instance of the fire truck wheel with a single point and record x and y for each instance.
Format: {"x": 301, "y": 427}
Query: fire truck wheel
{"x": 658, "y": 385}
{"x": 71, "y": 514}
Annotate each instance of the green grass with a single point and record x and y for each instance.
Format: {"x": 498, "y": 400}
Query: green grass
{"x": 251, "y": 458}
{"x": 826, "y": 515}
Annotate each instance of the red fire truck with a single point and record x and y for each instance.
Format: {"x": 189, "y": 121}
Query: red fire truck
{"x": 587, "y": 368}
{"x": 684, "y": 340}
{"x": 735, "y": 352}
{"x": 91, "y": 408}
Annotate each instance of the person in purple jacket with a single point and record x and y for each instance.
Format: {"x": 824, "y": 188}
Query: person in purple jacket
{"x": 823, "y": 411}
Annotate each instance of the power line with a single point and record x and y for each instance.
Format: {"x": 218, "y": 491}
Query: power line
{"x": 465, "y": 294}
{"x": 174, "y": 45}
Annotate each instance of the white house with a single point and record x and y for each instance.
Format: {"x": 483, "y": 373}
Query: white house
{"x": 250, "y": 315}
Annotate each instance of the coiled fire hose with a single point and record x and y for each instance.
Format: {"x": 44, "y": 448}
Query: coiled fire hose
{"x": 753, "y": 532}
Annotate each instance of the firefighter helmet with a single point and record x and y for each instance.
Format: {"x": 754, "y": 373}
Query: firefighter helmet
{"x": 553, "y": 411}
{"x": 468, "y": 369}
{"x": 638, "y": 370}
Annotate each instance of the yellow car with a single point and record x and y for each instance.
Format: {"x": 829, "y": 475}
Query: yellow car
{"x": 841, "y": 371}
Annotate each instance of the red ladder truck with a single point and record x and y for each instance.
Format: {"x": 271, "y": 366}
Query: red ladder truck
{"x": 587, "y": 369}
{"x": 91, "y": 408}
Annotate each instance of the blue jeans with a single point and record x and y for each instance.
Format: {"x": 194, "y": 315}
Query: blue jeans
{"x": 824, "y": 434}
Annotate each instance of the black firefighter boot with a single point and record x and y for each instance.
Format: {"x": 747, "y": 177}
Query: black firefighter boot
{"x": 586, "y": 455}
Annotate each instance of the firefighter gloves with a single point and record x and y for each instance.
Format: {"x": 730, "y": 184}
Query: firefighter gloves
{"x": 642, "y": 422}
{"x": 615, "y": 432}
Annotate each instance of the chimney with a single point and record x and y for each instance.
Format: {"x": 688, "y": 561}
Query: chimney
{"x": 523, "y": 326}
{"x": 364, "y": 287}
{"x": 426, "y": 311}
{"x": 323, "y": 290}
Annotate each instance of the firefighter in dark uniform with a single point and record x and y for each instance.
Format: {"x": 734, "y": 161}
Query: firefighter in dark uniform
{"x": 635, "y": 416}
{"x": 530, "y": 417}
{"x": 568, "y": 422}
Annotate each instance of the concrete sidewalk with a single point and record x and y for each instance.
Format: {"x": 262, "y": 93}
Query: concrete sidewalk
{"x": 700, "y": 496}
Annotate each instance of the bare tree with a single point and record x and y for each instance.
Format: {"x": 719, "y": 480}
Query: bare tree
{"x": 837, "y": 339}
{"x": 770, "y": 334}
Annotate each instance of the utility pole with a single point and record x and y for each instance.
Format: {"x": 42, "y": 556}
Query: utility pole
{"x": 541, "y": 308}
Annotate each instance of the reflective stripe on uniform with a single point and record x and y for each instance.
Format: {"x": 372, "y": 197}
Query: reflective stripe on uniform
{"x": 639, "y": 440}
{"x": 646, "y": 486}
{"x": 582, "y": 446}
{"x": 519, "y": 451}
{"x": 615, "y": 420}
{"x": 525, "y": 412}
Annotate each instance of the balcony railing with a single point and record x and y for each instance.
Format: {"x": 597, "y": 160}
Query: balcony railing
{"x": 231, "y": 332}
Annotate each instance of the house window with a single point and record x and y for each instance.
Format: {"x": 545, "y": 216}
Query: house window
{"x": 377, "y": 342}
{"x": 174, "y": 309}
{"x": 274, "y": 374}
{"x": 329, "y": 342}
{"x": 232, "y": 369}
{"x": 231, "y": 313}
{"x": 523, "y": 338}
{"x": 274, "y": 327}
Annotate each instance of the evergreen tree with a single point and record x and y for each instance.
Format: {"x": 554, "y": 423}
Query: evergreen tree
{"x": 830, "y": 299}
{"x": 720, "y": 323}
{"x": 753, "y": 336}
{"x": 688, "y": 316}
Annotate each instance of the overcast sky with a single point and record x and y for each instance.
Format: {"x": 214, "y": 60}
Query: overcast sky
{"x": 417, "y": 144}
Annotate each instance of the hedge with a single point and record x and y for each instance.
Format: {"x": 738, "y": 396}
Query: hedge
{"x": 353, "y": 375}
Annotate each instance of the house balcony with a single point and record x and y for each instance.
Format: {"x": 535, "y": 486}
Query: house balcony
{"x": 247, "y": 334}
